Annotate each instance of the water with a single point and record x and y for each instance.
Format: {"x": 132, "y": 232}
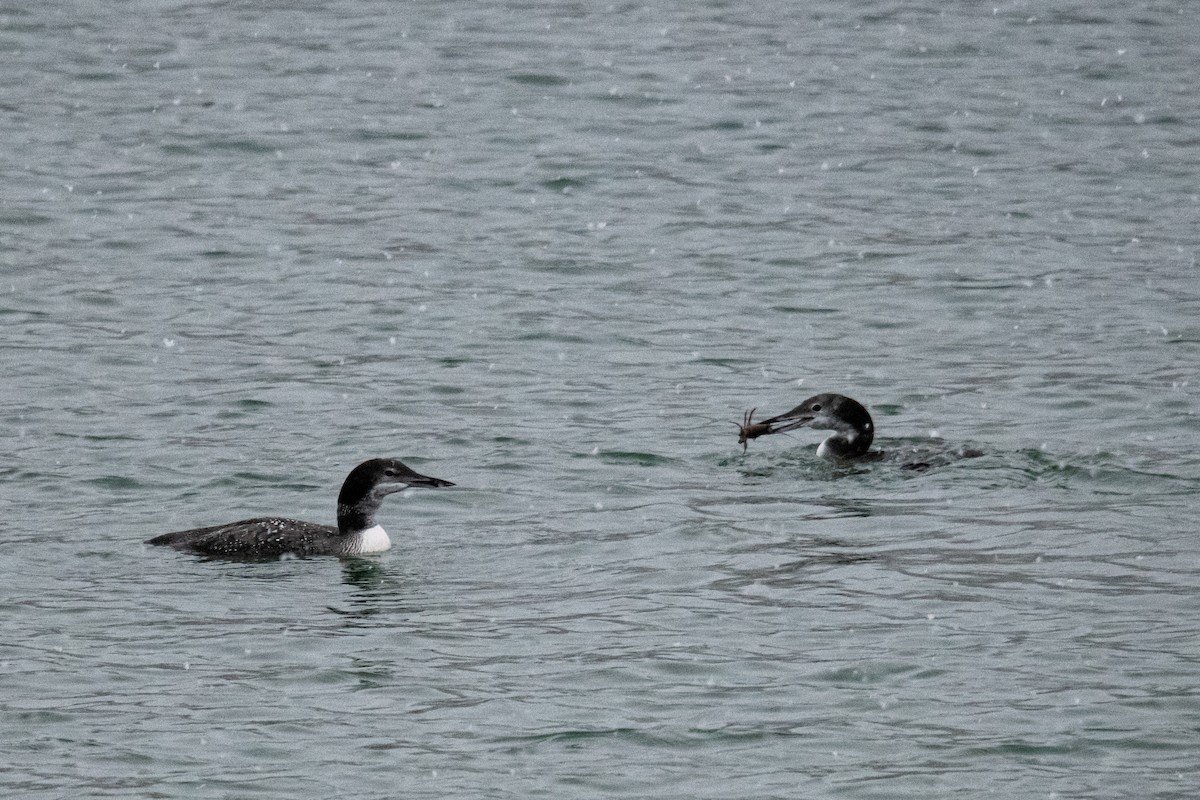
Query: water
{"x": 552, "y": 252}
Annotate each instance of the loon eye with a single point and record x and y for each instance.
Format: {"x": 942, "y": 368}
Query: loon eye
{"x": 816, "y": 406}
{"x": 391, "y": 473}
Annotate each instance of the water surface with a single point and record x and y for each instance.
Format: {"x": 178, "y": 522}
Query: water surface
{"x": 552, "y": 252}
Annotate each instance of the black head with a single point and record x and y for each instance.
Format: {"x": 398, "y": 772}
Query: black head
{"x": 379, "y": 477}
{"x": 834, "y": 412}
{"x": 367, "y": 485}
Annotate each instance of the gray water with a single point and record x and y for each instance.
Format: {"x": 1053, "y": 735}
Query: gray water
{"x": 552, "y": 252}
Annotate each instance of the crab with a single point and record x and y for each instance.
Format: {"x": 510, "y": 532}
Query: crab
{"x": 749, "y": 429}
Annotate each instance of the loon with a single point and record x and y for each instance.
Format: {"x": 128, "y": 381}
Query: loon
{"x": 853, "y": 432}
{"x": 356, "y": 533}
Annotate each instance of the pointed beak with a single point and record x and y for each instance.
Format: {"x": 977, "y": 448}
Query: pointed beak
{"x": 788, "y": 421}
{"x": 410, "y": 478}
{"x": 417, "y": 479}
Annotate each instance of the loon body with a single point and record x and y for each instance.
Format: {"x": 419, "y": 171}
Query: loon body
{"x": 356, "y": 533}
{"x": 853, "y": 432}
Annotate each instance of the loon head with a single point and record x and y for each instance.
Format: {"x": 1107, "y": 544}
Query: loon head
{"x": 370, "y": 482}
{"x": 851, "y": 422}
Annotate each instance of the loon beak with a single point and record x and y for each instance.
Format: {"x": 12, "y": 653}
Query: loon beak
{"x": 417, "y": 479}
{"x": 789, "y": 421}
{"x": 401, "y": 478}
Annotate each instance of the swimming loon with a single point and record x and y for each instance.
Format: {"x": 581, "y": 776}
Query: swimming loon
{"x": 356, "y": 533}
{"x": 853, "y": 427}
{"x": 853, "y": 432}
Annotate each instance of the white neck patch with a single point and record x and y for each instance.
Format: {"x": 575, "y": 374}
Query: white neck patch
{"x": 372, "y": 540}
{"x": 823, "y": 450}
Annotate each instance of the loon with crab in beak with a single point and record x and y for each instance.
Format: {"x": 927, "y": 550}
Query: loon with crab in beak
{"x": 853, "y": 432}
{"x": 851, "y": 423}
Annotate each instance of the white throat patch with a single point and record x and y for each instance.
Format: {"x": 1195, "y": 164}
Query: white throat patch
{"x": 372, "y": 540}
